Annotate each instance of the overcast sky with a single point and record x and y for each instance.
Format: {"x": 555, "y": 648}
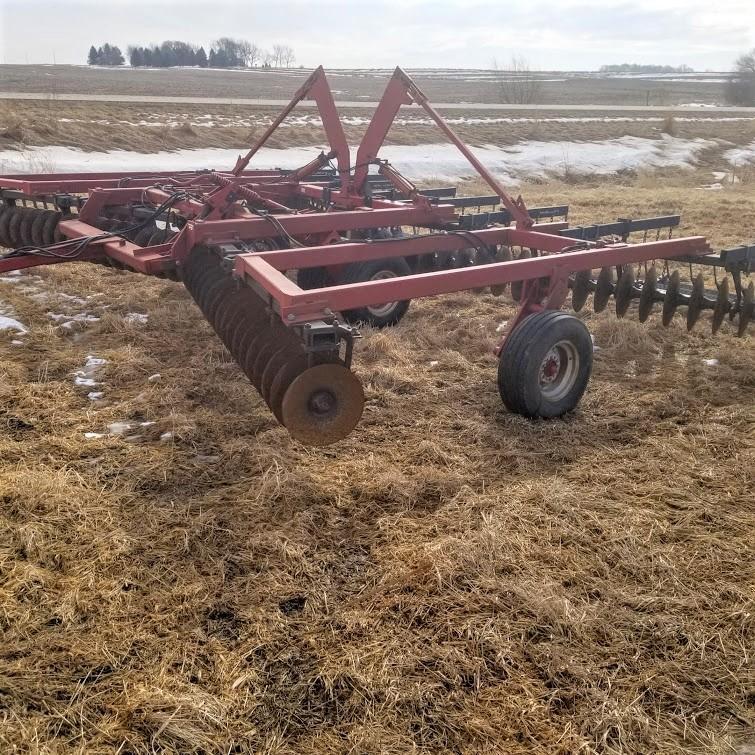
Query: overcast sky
{"x": 552, "y": 34}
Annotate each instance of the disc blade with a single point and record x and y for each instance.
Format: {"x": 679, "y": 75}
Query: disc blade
{"x": 722, "y": 305}
{"x": 624, "y": 291}
{"x": 671, "y": 299}
{"x": 696, "y": 301}
{"x": 323, "y": 404}
{"x": 603, "y": 289}
{"x": 581, "y": 289}
{"x": 648, "y": 295}
{"x": 746, "y": 313}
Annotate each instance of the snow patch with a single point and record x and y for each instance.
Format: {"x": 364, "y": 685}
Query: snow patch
{"x": 118, "y": 428}
{"x": 423, "y": 161}
{"x": 136, "y": 318}
{"x": 10, "y": 323}
{"x": 87, "y": 376}
{"x": 69, "y": 321}
{"x": 740, "y": 155}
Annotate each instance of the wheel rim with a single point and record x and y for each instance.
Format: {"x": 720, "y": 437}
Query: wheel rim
{"x": 558, "y": 370}
{"x": 382, "y": 310}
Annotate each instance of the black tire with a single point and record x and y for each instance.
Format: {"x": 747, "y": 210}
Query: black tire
{"x": 539, "y": 344}
{"x": 379, "y": 316}
{"x": 313, "y": 277}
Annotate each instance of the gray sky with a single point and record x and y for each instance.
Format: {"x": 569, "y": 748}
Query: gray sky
{"x": 552, "y": 34}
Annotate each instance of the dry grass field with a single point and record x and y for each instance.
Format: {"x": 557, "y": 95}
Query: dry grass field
{"x": 156, "y": 127}
{"x": 451, "y": 578}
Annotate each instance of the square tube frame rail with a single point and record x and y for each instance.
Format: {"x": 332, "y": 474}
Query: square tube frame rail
{"x": 544, "y": 276}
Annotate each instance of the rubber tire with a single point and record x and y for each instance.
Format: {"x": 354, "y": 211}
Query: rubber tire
{"x": 358, "y": 272}
{"x": 523, "y": 354}
{"x": 312, "y": 277}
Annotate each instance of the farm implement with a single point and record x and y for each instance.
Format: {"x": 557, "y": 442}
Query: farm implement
{"x": 287, "y": 265}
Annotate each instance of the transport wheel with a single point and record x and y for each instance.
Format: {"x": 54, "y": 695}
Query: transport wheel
{"x": 545, "y": 365}
{"x": 312, "y": 277}
{"x": 377, "y": 315}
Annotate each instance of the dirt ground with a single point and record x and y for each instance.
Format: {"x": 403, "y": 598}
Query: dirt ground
{"x": 451, "y": 578}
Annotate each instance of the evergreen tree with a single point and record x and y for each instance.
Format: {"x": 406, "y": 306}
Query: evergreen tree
{"x": 92, "y": 57}
{"x": 116, "y": 56}
{"x": 213, "y": 60}
{"x": 201, "y": 58}
{"x": 135, "y": 56}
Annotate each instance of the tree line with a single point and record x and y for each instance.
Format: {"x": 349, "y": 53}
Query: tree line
{"x": 106, "y": 55}
{"x": 224, "y": 53}
{"x": 639, "y": 68}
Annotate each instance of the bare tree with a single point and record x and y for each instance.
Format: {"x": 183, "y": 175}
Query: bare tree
{"x": 277, "y": 56}
{"x": 516, "y": 84}
{"x": 287, "y": 56}
{"x": 740, "y": 89}
{"x": 249, "y": 52}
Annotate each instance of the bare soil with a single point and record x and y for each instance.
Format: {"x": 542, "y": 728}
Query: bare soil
{"x": 451, "y": 578}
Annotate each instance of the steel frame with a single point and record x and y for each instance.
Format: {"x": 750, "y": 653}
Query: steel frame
{"x": 241, "y": 206}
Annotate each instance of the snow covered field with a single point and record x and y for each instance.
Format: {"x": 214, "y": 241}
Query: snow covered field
{"x": 424, "y": 161}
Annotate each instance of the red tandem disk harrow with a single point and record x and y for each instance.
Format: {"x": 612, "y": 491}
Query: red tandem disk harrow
{"x": 286, "y": 265}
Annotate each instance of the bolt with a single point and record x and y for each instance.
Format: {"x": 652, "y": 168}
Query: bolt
{"x": 291, "y": 317}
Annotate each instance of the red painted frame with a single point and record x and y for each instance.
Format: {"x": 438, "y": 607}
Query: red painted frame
{"x": 215, "y": 214}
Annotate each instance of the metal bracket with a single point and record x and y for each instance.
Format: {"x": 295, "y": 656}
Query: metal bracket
{"x": 320, "y": 336}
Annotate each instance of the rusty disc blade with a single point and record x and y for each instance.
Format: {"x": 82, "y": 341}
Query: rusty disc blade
{"x": 671, "y": 300}
{"x": 24, "y": 230}
{"x": 51, "y": 225}
{"x": 246, "y": 359}
{"x": 208, "y": 288}
{"x": 722, "y": 305}
{"x": 624, "y": 291}
{"x": 217, "y": 293}
{"x": 199, "y": 259}
{"x": 37, "y": 226}
{"x": 244, "y": 330}
{"x": 603, "y": 289}
{"x": 648, "y": 295}
{"x": 6, "y": 213}
{"x": 284, "y": 354}
{"x": 581, "y": 289}
{"x": 516, "y": 286}
{"x": 696, "y": 301}
{"x": 746, "y": 313}
{"x": 503, "y": 254}
{"x": 323, "y": 404}
{"x": 268, "y": 346}
{"x": 15, "y": 226}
